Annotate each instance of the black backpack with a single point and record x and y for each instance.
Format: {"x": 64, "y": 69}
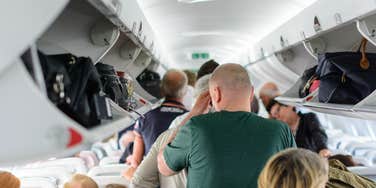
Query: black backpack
{"x": 73, "y": 85}
{"x": 111, "y": 84}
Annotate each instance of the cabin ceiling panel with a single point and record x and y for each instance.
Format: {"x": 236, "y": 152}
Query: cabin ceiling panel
{"x": 185, "y": 28}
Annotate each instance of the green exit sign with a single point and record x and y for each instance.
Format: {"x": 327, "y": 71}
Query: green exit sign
{"x": 196, "y": 56}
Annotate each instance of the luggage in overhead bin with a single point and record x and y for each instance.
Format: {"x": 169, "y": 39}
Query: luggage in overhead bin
{"x": 125, "y": 85}
{"x": 346, "y": 77}
{"x": 309, "y": 82}
{"x": 111, "y": 84}
{"x": 74, "y": 86}
{"x": 151, "y": 82}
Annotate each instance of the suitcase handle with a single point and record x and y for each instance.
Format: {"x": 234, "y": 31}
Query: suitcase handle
{"x": 364, "y": 63}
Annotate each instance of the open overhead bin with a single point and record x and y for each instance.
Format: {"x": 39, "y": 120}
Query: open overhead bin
{"x": 23, "y": 24}
{"x": 321, "y": 28}
{"x": 270, "y": 69}
{"x": 97, "y": 31}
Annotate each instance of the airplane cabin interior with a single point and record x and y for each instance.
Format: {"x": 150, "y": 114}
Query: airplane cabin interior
{"x": 77, "y": 74}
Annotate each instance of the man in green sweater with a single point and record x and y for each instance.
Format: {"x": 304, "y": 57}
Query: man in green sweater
{"x": 227, "y": 148}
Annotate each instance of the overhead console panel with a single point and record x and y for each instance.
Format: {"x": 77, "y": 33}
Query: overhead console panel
{"x": 325, "y": 26}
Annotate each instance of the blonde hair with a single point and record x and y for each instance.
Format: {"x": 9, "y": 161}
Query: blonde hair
{"x": 294, "y": 168}
{"x": 115, "y": 186}
{"x": 8, "y": 180}
{"x": 82, "y": 180}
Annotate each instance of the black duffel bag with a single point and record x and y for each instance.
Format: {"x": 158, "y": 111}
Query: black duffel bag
{"x": 74, "y": 86}
{"x": 111, "y": 84}
{"x": 346, "y": 77}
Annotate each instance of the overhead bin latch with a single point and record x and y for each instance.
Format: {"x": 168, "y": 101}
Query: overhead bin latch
{"x": 316, "y": 24}
{"x": 315, "y": 46}
{"x": 282, "y": 41}
{"x": 338, "y": 18}
{"x": 140, "y": 29}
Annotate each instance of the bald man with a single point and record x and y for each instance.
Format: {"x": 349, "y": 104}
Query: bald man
{"x": 268, "y": 92}
{"x": 227, "y": 148}
{"x": 147, "y": 129}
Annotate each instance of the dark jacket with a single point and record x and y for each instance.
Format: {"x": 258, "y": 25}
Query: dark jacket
{"x": 310, "y": 134}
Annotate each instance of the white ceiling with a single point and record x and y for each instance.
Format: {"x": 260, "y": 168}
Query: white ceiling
{"x": 224, "y": 28}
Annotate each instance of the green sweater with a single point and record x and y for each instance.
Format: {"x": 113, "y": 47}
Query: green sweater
{"x": 226, "y": 149}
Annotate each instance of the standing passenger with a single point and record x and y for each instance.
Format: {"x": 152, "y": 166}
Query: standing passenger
{"x": 174, "y": 84}
{"x": 147, "y": 175}
{"x": 227, "y": 148}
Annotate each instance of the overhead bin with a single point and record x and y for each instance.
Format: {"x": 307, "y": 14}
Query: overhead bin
{"x": 99, "y": 32}
{"x": 322, "y": 27}
{"x": 81, "y": 30}
{"x": 23, "y": 24}
{"x": 270, "y": 69}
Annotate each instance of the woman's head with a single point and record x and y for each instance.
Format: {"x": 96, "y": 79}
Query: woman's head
{"x": 81, "y": 181}
{"x": 8, "y": 180}
{"x": 294, "y": 168}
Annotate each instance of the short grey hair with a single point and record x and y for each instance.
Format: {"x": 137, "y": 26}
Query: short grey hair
{"x": 202, "y": 85}
{"x": 174, "y": 84}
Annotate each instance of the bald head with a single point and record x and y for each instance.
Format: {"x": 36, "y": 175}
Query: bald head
{"x": 267, "y": 92}
{"x": 230, "y": 86}
{"x": 232, "y": 77}
{"x": 174, "y": 84}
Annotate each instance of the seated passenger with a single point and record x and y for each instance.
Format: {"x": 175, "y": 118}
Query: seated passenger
{"x": 306, "y": 128}
{"x": 8, "y": 180}
{"x": 294, "y": 168}
{"x": 341, "y": 177}
{"x": 147, "y": 175}
{"x": 81, "y": 181}
{"x": 227, "y": 148}
{"x": 268, "y": 92}
{"x": 174, "y": 84}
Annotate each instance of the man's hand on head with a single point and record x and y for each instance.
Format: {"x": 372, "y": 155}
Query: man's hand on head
{"x": 201, "y": 105}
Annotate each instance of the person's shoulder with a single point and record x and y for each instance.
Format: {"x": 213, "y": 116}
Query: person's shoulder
{"x": 153, "y": 111}
{"x": 204, "y": 118}
{"x": 271, "y": 124}
{"x": 164, "y": 136}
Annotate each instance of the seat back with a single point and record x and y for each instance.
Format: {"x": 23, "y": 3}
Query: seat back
{"x": 60, "y": 173}
{"x": 38, "y": 182}
{"x": 109, "y": 170}
{"x": 75, "y": 164}
{"x": 109, "y": 161}
{"x": 90, "y": 158}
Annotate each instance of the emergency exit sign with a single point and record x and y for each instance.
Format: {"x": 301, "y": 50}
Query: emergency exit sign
{"x": 196, "y": 56}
